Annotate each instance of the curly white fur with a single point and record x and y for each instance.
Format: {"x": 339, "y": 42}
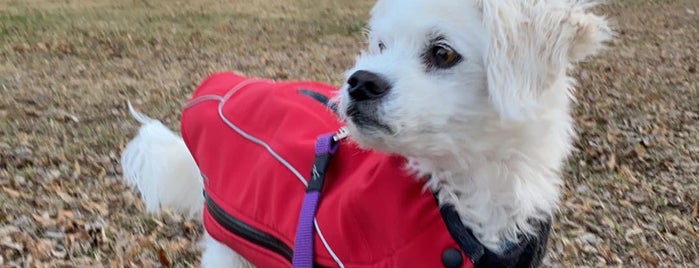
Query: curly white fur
{"x": 158, "y": 163}
{"x": 492, "y": 131}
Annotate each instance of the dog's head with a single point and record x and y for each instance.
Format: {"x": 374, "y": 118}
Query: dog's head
{"x": 450, "y": 71}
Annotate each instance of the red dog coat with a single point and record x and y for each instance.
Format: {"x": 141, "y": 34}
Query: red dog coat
{"x": 253, "y": 141}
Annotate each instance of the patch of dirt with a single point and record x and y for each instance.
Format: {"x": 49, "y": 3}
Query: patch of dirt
{"x": 67, "y": 69}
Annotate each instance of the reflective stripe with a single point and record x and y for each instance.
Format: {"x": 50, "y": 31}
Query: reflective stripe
{"x": 222, "y": 101}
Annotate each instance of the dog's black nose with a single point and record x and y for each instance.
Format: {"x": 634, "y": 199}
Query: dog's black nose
{"x": 365, "y": 85}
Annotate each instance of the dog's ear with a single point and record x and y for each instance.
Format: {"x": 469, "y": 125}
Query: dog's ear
{"x": 533, "y": 43}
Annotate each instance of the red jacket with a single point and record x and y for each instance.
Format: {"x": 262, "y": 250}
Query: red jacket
{"x": 371, "y": 214}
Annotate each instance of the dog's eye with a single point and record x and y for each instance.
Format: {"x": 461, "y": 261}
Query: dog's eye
{"x": 442, "y": 56}
{"x": 382, "y": 46}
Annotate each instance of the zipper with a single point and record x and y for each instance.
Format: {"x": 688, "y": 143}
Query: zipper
{"x": 247, "y": 232}
{"x": 251, "y": 234}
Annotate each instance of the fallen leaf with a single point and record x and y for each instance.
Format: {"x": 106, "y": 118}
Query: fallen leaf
{"x": 647, "y": 257}
{"x": 65, "y": 197}
{"x": 64, "y": 215}
{"x": 43, "y": 220}
{"x": 162, "y": 257}
{"x": 11, "y": 193}
{"x": 611, "y": 163}
{"x": 76, "y": 170}
{"x": 41, "y": 249}
{"x": 640, "y": 150}
{"x": 627, "y": 173}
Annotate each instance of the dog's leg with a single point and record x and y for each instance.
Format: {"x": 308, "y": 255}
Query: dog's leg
{"x": 219, "y": 255}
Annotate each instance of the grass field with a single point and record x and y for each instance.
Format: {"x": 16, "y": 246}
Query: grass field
{"x": 67, "y": 68}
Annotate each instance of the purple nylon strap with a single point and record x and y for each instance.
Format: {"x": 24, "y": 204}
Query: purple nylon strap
{"x": 303, "y": 245}
{"x": 325, "y": 144}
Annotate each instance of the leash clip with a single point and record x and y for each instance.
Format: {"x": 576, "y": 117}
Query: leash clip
{"x": 341, "y": 134}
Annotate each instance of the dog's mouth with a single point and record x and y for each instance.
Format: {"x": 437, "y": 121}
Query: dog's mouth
{"x": 364, "y": 119}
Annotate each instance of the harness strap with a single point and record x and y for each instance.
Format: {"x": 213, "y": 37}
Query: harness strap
{"x": 461, "y": 234}
{"x": 326, "y": 145}
{"x": 529, "y": 252}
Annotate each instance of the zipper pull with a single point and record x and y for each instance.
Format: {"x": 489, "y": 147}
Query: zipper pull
{"x": 341, "y": 134}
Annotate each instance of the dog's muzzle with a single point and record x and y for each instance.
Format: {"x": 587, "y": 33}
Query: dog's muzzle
{"x": 366, "y": 89}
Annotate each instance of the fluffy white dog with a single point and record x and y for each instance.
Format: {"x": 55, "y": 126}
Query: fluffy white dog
{"x": 475, "y": 93}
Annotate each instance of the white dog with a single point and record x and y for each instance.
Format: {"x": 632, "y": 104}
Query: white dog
{"x": 475, "y": 93}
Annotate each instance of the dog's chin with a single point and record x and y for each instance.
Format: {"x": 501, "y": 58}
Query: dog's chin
{"x": 366, "y": 119}
{"x": 367, "y": 137}
{"x": 366, "y": 129}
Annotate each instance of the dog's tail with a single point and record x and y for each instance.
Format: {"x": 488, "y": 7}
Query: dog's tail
{"x": 158, "y": 163}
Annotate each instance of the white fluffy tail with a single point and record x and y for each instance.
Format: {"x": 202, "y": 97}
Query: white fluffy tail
{"x": 158, "y": 163}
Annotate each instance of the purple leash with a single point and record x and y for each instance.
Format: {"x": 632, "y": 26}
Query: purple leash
{"x": 326, "y": 145}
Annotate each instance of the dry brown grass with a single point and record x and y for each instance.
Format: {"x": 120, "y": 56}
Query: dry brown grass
{"x": 67, "y": 68}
